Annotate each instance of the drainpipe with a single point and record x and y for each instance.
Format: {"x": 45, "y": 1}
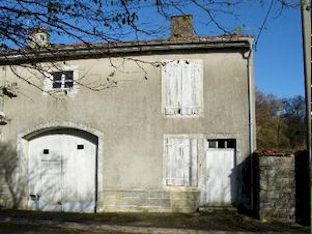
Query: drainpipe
{"x": 251, "y": 114}
{"x": 306, "y": 44}
{"x": 251, "y": 101}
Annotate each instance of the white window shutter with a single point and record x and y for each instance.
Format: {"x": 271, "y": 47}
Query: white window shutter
{"x": 186, "y": 100}
{"x": 190, "y": 88}
{"x": 181, "y": 161}
{"x": 193, "y": 161}
{"x": 172, "y": 73}
{"x": 195, "y": 78}
{"x": 186, "y": 162}
{"x": 171, "y": 151}
{"x": 178, "y": 162}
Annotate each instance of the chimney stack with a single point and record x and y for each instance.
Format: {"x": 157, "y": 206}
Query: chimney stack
{"x": 39, "y": 38}
{"x": 182, "y": 26}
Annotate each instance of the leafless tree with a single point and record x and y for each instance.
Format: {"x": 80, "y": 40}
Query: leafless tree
{"x": 93, "y": 21}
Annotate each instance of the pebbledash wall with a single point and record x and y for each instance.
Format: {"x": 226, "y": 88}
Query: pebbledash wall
{"x": 131, "y": 125}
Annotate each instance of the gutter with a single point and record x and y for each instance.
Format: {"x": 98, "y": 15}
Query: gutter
{"x": 115, "y": 50}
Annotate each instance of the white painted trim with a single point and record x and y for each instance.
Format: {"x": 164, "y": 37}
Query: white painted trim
{"x": 22, "y": 153}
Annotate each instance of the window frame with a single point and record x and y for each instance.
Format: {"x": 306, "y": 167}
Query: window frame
{"x": 200, "y": 113}
{"x": 48, "y": 78}
{"x": 63, "y": 81}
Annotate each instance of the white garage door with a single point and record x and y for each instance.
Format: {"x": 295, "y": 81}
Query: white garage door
{"x": 216, "y": 176}
{"x": 62, "y": 173}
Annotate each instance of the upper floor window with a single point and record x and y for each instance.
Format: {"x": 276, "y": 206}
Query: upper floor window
{"x": 62, "y": 79}
{"x": 182, "y": 83}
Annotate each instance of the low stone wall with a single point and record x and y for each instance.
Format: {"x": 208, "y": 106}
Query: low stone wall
{"x": 184, "y": 200}
{"x": 136, "y": 200}
{"x": 274, "y": 178}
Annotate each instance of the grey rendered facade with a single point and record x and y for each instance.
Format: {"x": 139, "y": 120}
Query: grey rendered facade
{"x": 129, "y": 120}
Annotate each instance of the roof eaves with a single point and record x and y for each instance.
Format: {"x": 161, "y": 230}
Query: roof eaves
{"x": 77, "y": 51}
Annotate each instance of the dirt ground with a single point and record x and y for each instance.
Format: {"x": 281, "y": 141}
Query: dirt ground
{"x": 221, "y": 221}
{"x": 10, "y": 228}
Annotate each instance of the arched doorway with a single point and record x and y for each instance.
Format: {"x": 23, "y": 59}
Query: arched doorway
{"x": 62, "y": 166}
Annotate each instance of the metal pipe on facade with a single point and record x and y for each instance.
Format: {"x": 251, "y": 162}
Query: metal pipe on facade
{"x": 251, "y": 114}
{"x": 306, "y": 42}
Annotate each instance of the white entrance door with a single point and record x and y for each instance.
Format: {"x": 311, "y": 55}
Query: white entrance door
{"x": 61, "y": 173}
{"x": 215, "y": 179}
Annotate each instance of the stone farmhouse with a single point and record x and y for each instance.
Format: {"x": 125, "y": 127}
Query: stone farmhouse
{"x": 157, "y": 126}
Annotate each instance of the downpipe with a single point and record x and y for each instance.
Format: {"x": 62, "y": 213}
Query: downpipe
{"x": 251, "y": 113}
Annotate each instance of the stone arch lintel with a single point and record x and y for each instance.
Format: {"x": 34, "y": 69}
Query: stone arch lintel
{"x": 28, "y": 133}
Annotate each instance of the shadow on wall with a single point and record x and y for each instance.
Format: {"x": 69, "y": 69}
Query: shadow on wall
{"x": 11, "y": 188}
{"x": 241, "y": 185}
{"x": 302, "y": 187}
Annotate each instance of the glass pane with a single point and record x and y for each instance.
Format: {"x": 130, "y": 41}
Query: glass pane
{"x": 57, "y": 85}
{"x": 56, "y": 76}
{"x": 221, "y": 144}
{"x": 68, "y": 79}
{"x": 212, "y": 144}
{"x": 56, "y": 80}
{"x": 69, "y": 84}
{"x": 68, "y": 75}
{"x": 231, "y": 143}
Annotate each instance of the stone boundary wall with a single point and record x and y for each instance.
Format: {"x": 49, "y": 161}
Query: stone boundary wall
{"x": 275, "y": 185}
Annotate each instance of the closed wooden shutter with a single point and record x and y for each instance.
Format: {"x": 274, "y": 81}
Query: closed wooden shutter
{"x": 172, "y": 75}
{"x": 172, "y": 149}
{"x": 190, "y": 88}
{"x": 182, "y": 87}
{"x": 181, "y": 162}
{"x": 194, "y": 156}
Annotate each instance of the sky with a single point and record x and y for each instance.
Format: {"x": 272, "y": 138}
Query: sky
{"x": 278, "y": 58}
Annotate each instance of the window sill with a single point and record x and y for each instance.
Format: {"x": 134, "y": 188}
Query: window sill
{"x": 178, "y": 116}
{"x": 62, "y": 91}
{"x": 57, "y": 90}
{"x": 182, "y": 188}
